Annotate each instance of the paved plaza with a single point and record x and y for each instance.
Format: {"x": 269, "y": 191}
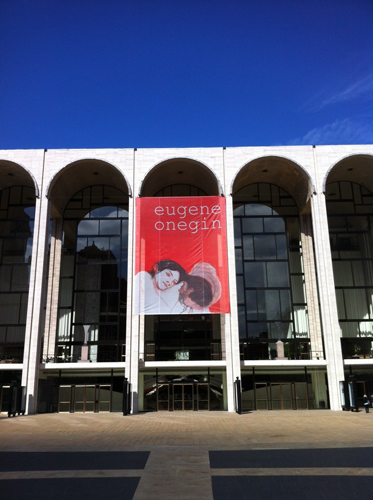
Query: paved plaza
{"x": 188, "y": 455}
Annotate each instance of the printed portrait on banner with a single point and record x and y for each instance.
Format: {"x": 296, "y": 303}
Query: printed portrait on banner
{"x": 181, "y": 256}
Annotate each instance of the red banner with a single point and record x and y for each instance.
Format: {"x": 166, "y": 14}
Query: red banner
{"x": 181, "y": 256}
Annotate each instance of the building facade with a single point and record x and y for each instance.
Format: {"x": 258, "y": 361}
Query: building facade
{"x": 300, "y": 272}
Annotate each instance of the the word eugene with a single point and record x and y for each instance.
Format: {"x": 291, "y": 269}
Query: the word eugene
{"x": 203, "y": 212}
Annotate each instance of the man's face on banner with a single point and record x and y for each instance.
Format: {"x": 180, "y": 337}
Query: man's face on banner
{"x": 166, "y": 279}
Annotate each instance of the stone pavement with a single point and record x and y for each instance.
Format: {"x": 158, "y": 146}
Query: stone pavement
{"x": 183, "y": 455}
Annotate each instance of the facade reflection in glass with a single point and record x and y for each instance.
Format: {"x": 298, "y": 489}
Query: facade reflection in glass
{"x": 93, "y": 281}
{"x": 270, "y": 280}
{"x": 350, "y": 218}
{"x": 17, "y": 211}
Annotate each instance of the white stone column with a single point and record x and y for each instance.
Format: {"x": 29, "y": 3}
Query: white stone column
{"x": 54, "y": 271}
{"x": 232, "y": 344}
{"x": 317, "y": 351}
{"x": 36, "y": 300}
{"x": 328, "y": 302}
{"x": 132, "y": 328}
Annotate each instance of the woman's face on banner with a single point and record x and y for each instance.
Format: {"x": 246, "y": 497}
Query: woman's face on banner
{"x": 166, "y": 279}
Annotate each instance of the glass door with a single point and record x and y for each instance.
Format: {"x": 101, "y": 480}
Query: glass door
{"x": 261, "y": 396}
{"x": 203, "y": 399}
{"x": 64, "y": 399}
{"x": 183, "y": 397}
{"x": 301, "y": 399}
{"x": 281, "y": 396}
{"x": 163, "y": 397}
{"x": 104, "y": 398}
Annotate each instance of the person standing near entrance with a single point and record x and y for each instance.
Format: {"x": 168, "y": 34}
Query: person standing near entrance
{"x": 366, "y": 403}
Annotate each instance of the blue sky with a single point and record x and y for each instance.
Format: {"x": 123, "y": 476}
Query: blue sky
{"x": 185, "y": 73}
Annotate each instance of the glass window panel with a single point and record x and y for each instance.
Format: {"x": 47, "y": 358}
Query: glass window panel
{"x": 9, "y": 308}
{"x": 248, "y": 247}
{"x": 115, "y": 248}
{"x": 292, "y": 225}
{"x": 265, "y": 247}
{"x": 282, "y": 246}
{"x": 349, "y": 328}
{"x": 23, "y": 309}
{"x": 242, "y": 322}
{"x": 103, "y": 212}
{"x": 16, "y": 335}
{"x": 356, "y": 305}
{"x": 272, "y": 305}
{"x": 342, "y": 273}
{"x": 239, "y": 210}
{"x": 98, "y": 248}
{"x": 369, "y": 292}
{"x": 251, "y": 305}
{"x": 297, "y": 287}
{"x": 20, "y": 277}
{"x": 65, "y": 292}
{"x": 274, "y": 225}
{"x": 301, "y": 322}
{"x": 252, "y": 225}
{"x": 255, "y": 274}
{"x": 278, "y": 274}
{"x": 358, "y": 273}
{"x": 257, "y": 209}
{"x": 357, "y": 223}
{"x": 86, "y": 227}
{"x": 237, "y": 232}
{"x": 285, "y": 300}
{"x": 240, "y": 291}
{"x": 239, "y": 266}
{"x": 91, "y": 307}
{"x": 88, "y": 277}
{"x": 109, "y": 277}
{"x": 81, "y": 243}
{"x": 366, "y": 328}
{"x": 340, "y": 304}
{"x": 5, "y": 278}
{"x": 257, "y": 330}
{"x": 79, "y": 307}
{"x": 124, "y": 233}
{"x": 122, "y": 212}
{"x": 14, "y": 250}
{"x": 110, "y": 226}
{"x": 295, "y": 261}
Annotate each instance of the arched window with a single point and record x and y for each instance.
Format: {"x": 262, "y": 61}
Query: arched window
{"x": 350, "y": 219}
{"x": 93, "y": 280}
{"x": 17, "y": 211}
{"x": 270, "y": 280}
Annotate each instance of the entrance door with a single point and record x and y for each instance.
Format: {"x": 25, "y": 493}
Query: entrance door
{"x": 282, "y": 397}
{"x": 84, "y": 398}
{"x": 183, "y": 397}
{"x": 203, "y": 397}
{"x": 163, "y": 397}
{"x": 261, "y": 396}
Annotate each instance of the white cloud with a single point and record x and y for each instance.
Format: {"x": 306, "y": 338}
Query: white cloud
{"x": 343, "y": 131}
{"x": 361, "y": 88}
